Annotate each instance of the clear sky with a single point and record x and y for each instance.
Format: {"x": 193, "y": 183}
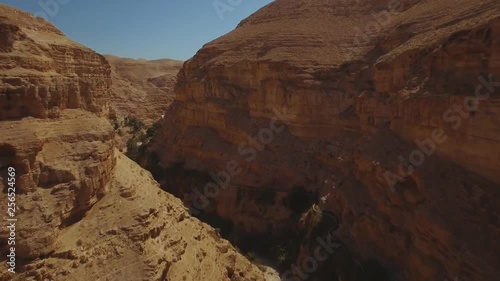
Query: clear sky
{"x": 149, "y": 29}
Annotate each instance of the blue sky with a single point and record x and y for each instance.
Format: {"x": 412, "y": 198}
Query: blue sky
{"x": 149, "y": 29}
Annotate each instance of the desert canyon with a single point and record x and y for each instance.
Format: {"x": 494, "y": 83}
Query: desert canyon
{"x": 369, "y": 130}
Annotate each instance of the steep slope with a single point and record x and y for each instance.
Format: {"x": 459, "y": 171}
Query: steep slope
{"x": 83, "y": 210}
{"x": 392, "y": 117}
{"x": 141, "y": 88}
{"x": 43, "y": 70}
{"x": 134, "y": 232}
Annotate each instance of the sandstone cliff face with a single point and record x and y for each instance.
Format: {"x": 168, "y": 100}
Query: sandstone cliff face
{"x": 42, "y": 69}
{"x": 63, "y": 168}
{"x": 84, "y": 211}
{"x": 142, "y": 89}
{"x": 356, "y": 83}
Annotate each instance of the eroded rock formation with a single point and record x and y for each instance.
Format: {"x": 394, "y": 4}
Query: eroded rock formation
{"x": 43, "y": 70}
{"x": 84, "y": 211}
{"x": 361, "y": 86}
{"x": 141, "y": 88}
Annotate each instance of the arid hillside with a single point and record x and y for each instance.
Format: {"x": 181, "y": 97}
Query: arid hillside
{"x": 84, "y": 211}
{"x": 142, "y": 89}
{"x": 43, "y": 72}
{"x": 383, "y": 114}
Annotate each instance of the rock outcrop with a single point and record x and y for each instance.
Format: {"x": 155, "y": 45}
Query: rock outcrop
{"x": 134, "y": 231}
{"x": 43, "y": 70}
{"x": 84, "y": 211}
{"x": 63, "y": 168}
{"x": 392, "y": 114}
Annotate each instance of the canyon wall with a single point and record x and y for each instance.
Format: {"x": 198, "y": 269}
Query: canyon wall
{"x": 42, "y": 70}
{"x": 83, "y": 210}
{"x": 388, "y": 111}
{"x": 139, "y": 95}
{"x": 142, "y": 88}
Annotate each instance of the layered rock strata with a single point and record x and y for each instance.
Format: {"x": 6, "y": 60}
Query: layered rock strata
{"x": 142, "y": 89}
{"x": 392, "y": 117}
{"x": 83, "y": 210}
{"x": 43, "y": 71}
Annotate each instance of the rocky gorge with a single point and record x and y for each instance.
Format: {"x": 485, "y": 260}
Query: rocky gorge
{"x": 82, "y": 209}
{"x": 318, "y": 140}
{"x": 390, "y": 124}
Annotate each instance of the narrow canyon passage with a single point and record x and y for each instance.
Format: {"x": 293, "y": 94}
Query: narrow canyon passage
{"x": 311, "y": 140}
{"x": 394, "y": 135}
{"x": 277, "y": 245}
